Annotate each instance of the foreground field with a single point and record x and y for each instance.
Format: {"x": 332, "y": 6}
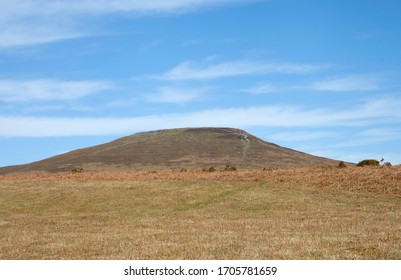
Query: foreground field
{"x": 321, "y": 213}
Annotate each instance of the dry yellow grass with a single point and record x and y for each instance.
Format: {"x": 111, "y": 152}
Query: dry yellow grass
{"x": 315, "y": 213}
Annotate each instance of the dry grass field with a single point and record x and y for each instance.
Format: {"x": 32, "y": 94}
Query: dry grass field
{"x": 319, "y": 213}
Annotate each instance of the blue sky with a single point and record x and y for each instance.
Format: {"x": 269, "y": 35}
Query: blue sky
{"x": 322, "y": 77}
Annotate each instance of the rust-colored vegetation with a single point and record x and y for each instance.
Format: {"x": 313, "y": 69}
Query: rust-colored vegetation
{"x": 306, "y": 213}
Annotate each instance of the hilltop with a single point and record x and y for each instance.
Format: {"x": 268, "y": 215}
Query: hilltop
{"x": 178, "y": 148}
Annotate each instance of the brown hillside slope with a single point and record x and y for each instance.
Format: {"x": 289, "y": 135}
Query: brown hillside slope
{"x": 178, "y": 148}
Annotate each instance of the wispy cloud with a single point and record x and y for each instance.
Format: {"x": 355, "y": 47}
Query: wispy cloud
{"x": 261, "y": 89}
{"x": 352, "y": 83}
{"x": 382, "y": 133}
{"x": 192, "y": 42}
{"x": 35, "y": 33}
{"x": 273, "y": 116}
{"x": 189, "y": 70}
{"x": 304, "y": 135}
{"x": 371, "y": 136}
{"x": 48, "y": 90}
{"x": 149, "y": 45}
{"x": 29, "y": 22}
{"x": 68, "y": 7}
{"x": 174, "y": 95}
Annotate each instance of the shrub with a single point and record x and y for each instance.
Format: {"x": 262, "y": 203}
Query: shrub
{"x": 387, "y": 164}
{"x": 230, "y": 168}
{"x": 341, "y": 164}
{"x": 77, "y": 170}
{"x": 269, "y": 168}
{"x": 211, "y": 169}
{"x": 369, "y": 162}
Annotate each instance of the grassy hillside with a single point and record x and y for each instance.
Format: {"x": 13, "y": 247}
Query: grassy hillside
{"x": 178, "y": 148}
{"x": 307, "y": 213}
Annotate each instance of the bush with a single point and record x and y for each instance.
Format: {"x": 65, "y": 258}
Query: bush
{"x": 230, "y": 168}
{"x": 269, "y": 168}
{"x": 387, "y": 164}
{"x": 369, "y": 162}
{"x": 77, "y": 170}
{"x": 341, "y": 165}
{"x": 211, "y": 169}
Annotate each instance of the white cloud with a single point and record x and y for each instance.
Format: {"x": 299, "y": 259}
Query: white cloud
{"x": 273, "y": 116}
{"x": 149, "y": 45}
{"x": 382, "y": 133}
{"x": 174, "y": 95}
{"x": 371, "y": 136}
{"x": 47, "y": 90}
{"x": 353, "y": 83}
{"x": 33, "y": 34}
{"x": 29, "y": 22}
{"x": 192, "y": 42}
{"x": 191, "y": 71}
{"x": 12, "y": 8}
{"x": 261, "y": 89}
{"x": 385, "y": 107}
{"x": 306, "y": 135}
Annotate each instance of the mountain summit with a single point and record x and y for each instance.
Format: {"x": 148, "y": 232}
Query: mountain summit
{"x": 178, "y": 148}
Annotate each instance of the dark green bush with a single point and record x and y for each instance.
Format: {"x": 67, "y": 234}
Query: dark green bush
{"x": 369, "y": 162}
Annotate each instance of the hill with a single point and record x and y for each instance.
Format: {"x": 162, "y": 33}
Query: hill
{"x": 178, "y": 148}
